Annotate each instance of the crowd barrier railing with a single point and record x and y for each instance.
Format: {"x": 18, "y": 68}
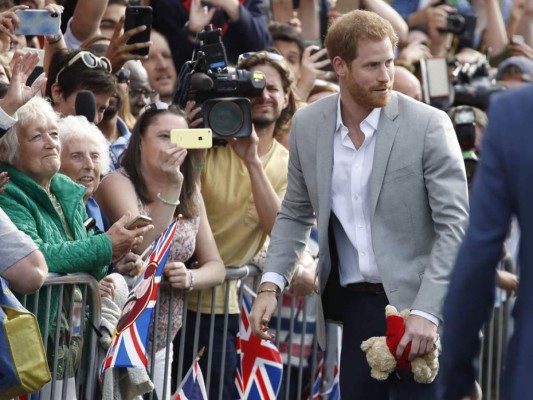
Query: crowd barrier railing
{"x": 69, "y": 340}
{"x": 294, "y": 326}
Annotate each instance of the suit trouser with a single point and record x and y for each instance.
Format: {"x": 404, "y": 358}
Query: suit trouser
{"x": 363, "y": 316}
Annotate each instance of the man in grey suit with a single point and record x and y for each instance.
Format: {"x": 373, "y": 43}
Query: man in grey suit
{"x": 384, "y": 177}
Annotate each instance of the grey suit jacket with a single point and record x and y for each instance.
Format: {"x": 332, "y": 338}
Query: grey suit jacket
{"x": 418, "y": 192}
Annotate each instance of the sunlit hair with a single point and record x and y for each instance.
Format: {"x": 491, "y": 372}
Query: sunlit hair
{"x": 35, "y": 110}
{"x": 131, "y": 162}
{"x": 77, "y": 128}
{"x": 287, "y": 81}
{"x": 345, "y": 33}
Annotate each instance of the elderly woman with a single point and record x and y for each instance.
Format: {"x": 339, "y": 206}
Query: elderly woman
{"x": 161, "y": 179}
{"x": 48, "y": 206}
{"x": 84, "y": 159}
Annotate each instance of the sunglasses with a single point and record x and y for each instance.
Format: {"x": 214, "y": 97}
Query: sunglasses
{"x": 268, "y": 54}
{"x": 90, "y": 60}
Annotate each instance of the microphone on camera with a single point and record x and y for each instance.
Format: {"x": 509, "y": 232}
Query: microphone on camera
{"x": 86, "y": 105}
{"x": 201, "y": 82}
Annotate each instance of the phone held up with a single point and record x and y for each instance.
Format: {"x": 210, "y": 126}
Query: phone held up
{"x": 137, "y": 16}
{"x": 38, "y": 22}
{"x": 192, "y": 138}
{"x": 138, "y": 222}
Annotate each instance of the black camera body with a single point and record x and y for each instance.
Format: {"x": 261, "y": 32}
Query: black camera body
{"x": 473, "y": 85}
{"x": 221, "y": 91}
{"x": 464, "y": 123}
{"x": 463, "y": 26}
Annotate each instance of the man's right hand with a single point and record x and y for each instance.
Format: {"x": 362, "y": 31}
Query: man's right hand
{"x": 262, "y": 310}
{"x": 122, "y": 239}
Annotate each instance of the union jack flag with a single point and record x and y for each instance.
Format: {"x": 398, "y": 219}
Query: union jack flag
{"x": 260, "y": 369}
{"x": 334, "y": 391}
{"x": 192, "y": 387}
{"x": 317, "y": 384}
{"x": 130, "y": 339}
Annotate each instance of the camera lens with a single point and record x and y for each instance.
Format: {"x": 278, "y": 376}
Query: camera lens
{"x": 226, "y": 118}
{"x": 55, "y": 15}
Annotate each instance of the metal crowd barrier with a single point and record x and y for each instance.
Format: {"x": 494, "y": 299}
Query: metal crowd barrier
{"x": 81, "y": 316}
{"x": 296, "y": 320}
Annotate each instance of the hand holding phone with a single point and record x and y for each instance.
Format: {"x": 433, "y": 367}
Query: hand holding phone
{"x": 192, "y": 138}
{"x": 137, "y": 16}
{"x": 138, "y": 222}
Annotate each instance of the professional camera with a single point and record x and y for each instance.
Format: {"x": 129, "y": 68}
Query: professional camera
{"x": 221, "y": 91}
{"x": 473, "y": 85}
{"x": 464, "y": 122}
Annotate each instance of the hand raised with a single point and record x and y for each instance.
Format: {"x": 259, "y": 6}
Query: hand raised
{"x": 119, "y": 52}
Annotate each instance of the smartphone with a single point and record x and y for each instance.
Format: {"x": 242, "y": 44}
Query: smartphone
{"x": 435, "y": 80}
{"x": 328, "y": 67}
{"x": 38, "y": 22}
{"x": 192, "y": 138}
{"x": 137, "y": 16}
{"x": 138, "y": 222}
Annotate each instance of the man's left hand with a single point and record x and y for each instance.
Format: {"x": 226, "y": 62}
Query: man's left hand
{"x": 421, "y": 332}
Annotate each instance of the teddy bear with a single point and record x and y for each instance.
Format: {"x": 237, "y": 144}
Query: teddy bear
{"x": 380, "y": 352}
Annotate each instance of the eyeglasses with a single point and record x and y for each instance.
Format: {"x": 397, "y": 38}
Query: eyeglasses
{"x": 146, "y": 93}
{"x": 271, "y": 56}
{"x": 123, "y": 75}
{"x": 90, "y": 61}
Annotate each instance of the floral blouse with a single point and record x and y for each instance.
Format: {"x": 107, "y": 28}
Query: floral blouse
{"x": 181, "y": 249}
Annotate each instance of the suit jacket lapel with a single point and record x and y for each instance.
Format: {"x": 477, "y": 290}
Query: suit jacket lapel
{"x": 385, "y": 135}
{"x": 324, "y": 160}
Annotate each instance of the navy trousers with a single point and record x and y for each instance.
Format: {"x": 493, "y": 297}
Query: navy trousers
{"x": 363, "y": 316}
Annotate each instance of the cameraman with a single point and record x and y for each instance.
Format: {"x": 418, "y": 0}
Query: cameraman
{"x": 242, "y": 186}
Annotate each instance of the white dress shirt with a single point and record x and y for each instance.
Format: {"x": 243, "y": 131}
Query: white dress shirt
{"x": 350, "y": 202}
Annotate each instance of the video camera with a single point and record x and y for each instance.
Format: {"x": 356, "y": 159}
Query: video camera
{"x": 473, "y": 85}
{"x": 464, "y": 122}
{"x": 221, "y": 91}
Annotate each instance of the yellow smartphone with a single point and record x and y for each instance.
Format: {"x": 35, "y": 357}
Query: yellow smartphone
{"x": 138, "y": 222}
{"x": 192, "y": 138}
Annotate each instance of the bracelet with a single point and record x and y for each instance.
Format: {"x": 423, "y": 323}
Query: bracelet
{"x": 191, "y": 286}
{"x": 268, "y": 291}
{"x": 55, "y": 39}
{"x": 168, "y": 202}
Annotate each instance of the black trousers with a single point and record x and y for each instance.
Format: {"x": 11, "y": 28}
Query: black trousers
{"x": 363, "y": 316}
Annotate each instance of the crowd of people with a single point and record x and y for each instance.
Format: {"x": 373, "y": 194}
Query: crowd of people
{"x": 351, "y": 147}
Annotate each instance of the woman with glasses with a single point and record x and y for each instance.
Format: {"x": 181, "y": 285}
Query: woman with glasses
{"x": 160, "y": 179}
{"x": 82, "y": 70}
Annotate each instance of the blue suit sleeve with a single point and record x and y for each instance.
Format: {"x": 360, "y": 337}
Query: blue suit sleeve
{"x": 470, "y": 298}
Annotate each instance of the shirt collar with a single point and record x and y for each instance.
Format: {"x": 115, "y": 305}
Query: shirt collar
{"x": 372, "y": 120}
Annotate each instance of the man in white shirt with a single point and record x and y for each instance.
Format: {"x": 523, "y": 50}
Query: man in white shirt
{"x": 384, "y": 177}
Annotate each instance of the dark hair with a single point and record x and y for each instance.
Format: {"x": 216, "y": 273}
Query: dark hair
{"x": 77, "y": 76}
{"x": 287, "y": 81}
{"x": 131, "y": 162}
{"x": 286, "y": 33}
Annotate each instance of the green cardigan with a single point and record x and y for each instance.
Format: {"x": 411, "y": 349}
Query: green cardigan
{"x": 31, "y": 210}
